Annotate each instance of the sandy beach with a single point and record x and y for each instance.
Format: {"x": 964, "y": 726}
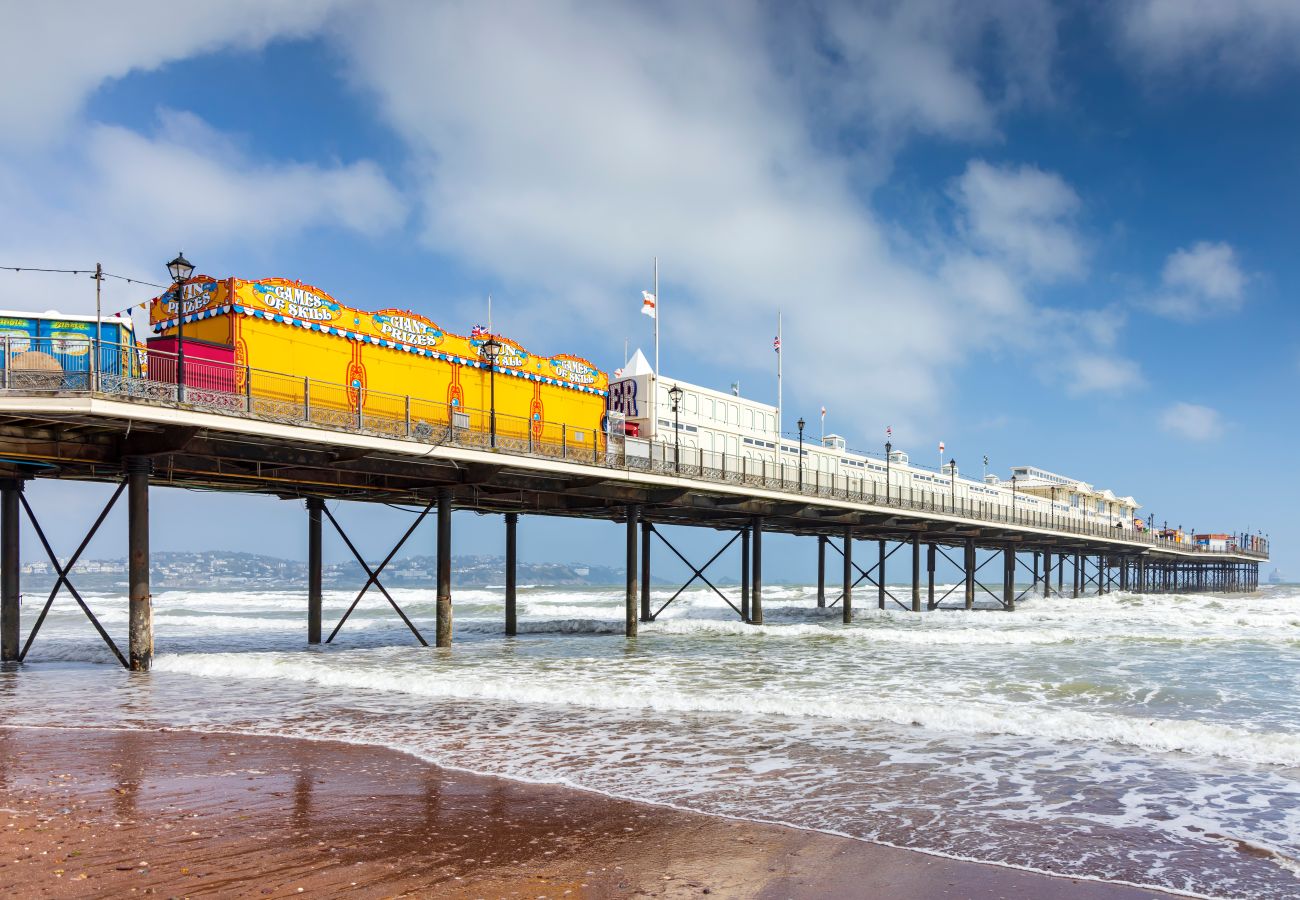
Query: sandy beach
{"x": 98, "y": 813}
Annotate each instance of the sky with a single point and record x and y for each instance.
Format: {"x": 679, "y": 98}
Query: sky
{"x": 1053, "y": 233}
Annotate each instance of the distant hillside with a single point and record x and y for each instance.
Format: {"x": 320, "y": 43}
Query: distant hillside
{"x": 217, "y": 570}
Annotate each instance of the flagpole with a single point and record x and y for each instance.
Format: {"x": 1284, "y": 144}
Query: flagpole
{"x": 490, "y": 313}
{"x": 780, "y": 452}
{"x": 654, "y": 382}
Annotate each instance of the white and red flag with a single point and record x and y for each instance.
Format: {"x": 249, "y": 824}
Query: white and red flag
{"x": 941, "y": 447}
{"x": 648, "y": 302}
{"x": 776, "y": 343}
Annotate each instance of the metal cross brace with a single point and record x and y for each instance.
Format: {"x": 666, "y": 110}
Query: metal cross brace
{"x": 373, "y": 576}
{"x": 63, "y": 571}
{"x": 866, "y": 575}
{"x": 696, "y": 573}
{"x": 960, "y": 584}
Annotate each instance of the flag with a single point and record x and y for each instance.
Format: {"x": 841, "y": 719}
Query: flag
{"x": 776, "y": 343}
{"x": 648, "y": 304}
{"x": 618, "y": 373}
{"x": 941, "y": 447}
{"x": 478, "y": 331}
{"x": 889, "y": 431}
{"x": 823, "y": 414}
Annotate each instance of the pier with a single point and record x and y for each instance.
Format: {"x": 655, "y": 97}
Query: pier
{"x": 140, "y": 433}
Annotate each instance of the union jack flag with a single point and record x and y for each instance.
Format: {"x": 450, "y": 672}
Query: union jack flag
{"x": 776, "y": 344}
{"x": 478, "y": 331}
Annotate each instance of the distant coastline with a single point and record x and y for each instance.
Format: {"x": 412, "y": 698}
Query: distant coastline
{"x": 216, "y": 570}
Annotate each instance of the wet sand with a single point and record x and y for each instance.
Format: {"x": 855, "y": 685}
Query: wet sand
{"x": 91, "y": 813}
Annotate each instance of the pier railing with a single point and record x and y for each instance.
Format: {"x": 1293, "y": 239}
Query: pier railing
{"x": 49, "y": 366}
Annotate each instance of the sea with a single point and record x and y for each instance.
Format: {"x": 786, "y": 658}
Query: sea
{"x": 1153, "y": 740}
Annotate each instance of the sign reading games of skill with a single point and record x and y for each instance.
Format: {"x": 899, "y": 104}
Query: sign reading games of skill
{"x": 301, "y": 305}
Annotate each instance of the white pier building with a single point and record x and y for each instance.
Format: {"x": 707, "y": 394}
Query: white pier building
{"x": 727, "y": 432}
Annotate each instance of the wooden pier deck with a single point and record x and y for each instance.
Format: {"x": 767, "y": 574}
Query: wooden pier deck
{"x": 138, "y": 434}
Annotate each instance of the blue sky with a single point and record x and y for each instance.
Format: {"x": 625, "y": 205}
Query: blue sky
{"x": 1057, "y": 234}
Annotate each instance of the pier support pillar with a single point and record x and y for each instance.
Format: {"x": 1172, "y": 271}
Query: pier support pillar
{"x": 1009, "y": 579}
{"x": 140, "y": 603}
{"x": 10, "y": 566}
{"x": 848, "y": 575}
{"x": 444, "y": 569}
{"x": 630, "y": 605}
{"x": 1047, "y": 573}
{"x": 929, "y": 571}
{"x": 1078, "y": 575}
{"x": 512, "y": 567}
{"x": 880, "y": 573}
{"x": 1038, "y": 559}
{"x": 821, "y": 571}
{"x": 315, "y": 506}
{"x": 1060, "y": 574}
{"x": 916, "y": 573}
{"x": 756, "y": 582}
{"x": 970, "y": 573}
{"x": 646, "y": 533}
{"x": 744, "y": 574}
{"x": 1123, "y": 573}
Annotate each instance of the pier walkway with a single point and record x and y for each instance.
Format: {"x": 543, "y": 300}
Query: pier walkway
{"x": 273, "y": 433}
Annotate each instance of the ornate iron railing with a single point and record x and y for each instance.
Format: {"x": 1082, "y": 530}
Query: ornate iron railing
{"x": 42, "y": 366}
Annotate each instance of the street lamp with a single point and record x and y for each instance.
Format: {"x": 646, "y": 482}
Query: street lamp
{"x": 889, "y": 452}
{"x": 801, "y": 424}
{"x": 1013, "y": 497}
{"x": 180, "y": 270}
{"x": 491, "y": 349}
{"x": 952, "y": 473}
{"x": 675, "y": 395}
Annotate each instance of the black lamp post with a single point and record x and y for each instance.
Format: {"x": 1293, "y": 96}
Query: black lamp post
{"x": 801, "y": 424}
{"x": 491, "y": 349}
{"x": 952, "y": 474}
{"x": 889, "y": 452}
{"x": 1013, "y": 496}
{"x": 675, "y": 395}
{"x": 180, "y": 270}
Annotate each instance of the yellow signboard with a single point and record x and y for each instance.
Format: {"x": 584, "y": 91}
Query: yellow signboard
{"x": 303, "y": 306}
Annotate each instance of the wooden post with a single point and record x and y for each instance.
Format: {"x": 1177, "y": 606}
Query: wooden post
{"x": 512, "y": 570}
{"x": 1047, "y": 573}
{"x": 645, "y": 571}
{"x": 756, "y": 582}
{"x": 140, "y": 602}
{"x": 821, "y": 571}
{"x": 929, "y": 568}
{"x": 970, "y": 573}
{"x": 315, "y": 505}
{"x": 916, "y": 573}
{"x": 744, "y": 573}
{"x": 444, "y": 568}
{"x": 630, "y": 604}
{"x": 10, "y": 568}
{"x": 880, "y": 576}
{"x": 848, "y": 574}
{"x": 1009, "y": 579}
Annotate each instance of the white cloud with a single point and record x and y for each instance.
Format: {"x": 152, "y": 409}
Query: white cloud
{"x": 916, "y": 66}
{"x": 559, "y": 147}
{"x": 1243, "y": 38}
{"x": 53, "y": 55}
{"x": 1023, "y": 214}
{"x": 1198, "y": 281}
{"x": 1192, "y": 422}
{"x": 123, "y": 196}
{"x": 1087, "y": 373}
